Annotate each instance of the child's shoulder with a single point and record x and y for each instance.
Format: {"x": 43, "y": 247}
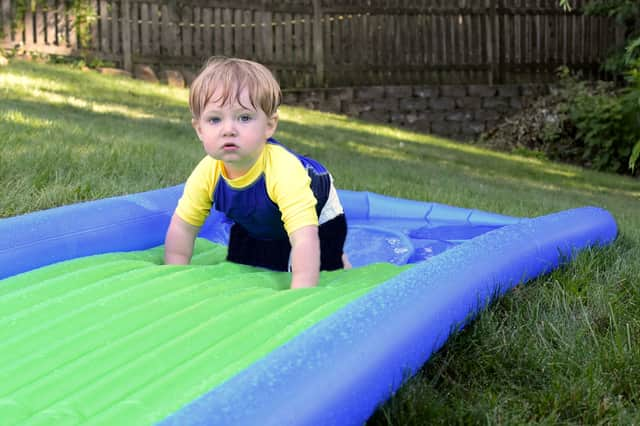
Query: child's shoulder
{"x": 207, "y": 168}
{"x": 280, "y": 153}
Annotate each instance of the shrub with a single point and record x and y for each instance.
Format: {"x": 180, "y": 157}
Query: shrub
{"x": 607, "y": 128}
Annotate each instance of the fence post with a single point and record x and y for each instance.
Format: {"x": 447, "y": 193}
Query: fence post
{"x": 5, "y": 17}
{"x": 491, "y": 21}
{"x": 127, "y": 61}
{"x": 318, "y": 43}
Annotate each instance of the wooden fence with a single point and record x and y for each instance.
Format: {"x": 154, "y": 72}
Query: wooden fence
{"x": 331, "y": 43}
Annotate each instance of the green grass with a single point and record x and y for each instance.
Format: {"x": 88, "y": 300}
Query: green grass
{"x": 564, "y": 349}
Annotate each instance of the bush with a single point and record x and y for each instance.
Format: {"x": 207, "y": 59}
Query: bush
{"x": 609, "y": 124}
{"x": 607, "y": 127}
{"x": 591, "y": 124}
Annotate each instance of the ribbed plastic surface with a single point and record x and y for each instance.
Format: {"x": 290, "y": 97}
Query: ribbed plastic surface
{"x": 120, "y": 339}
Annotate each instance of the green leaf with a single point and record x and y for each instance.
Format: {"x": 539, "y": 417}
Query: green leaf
{"x": 635, "y": 154}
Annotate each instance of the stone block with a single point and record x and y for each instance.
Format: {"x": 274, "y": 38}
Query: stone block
{"x": 495, "y": 103}
{"x": 369, "y": 93}
{"x": 145, "y": 73}
{"x": 422, "y": 126}
{"x": 516, "y": 103}
{"x": 434, "y": 116}
{"x": 481, "y": 91}
{"x": 290, "y": 97}
{"x": 375, "y": 116}
{"x": 534, "y": 90}
{"x": 397, "y": 118}
{"x": 446, "y": 128}
{"x": 314, "y": 96}
{"x": 398, "y": 91}
{"x": 189, "y": 76}
{"x": 341, "y": 93}
{"x": 458, "y": 116}
{"x": 114, "y": 71}
{"x": 469, "y": 103}
{"x": 332, "y": 104}
{"x": 411, "y": 118}
{"x": 442, "y": 104}
{"x": 354, "y": 109}
{"x": 487, "y": 115}
{"x": 172, "y": 78}
{"x": 413, "y": 104}
{"x": 425, "y": 91}
{"x": 508, "y": 90}
{"x": 453, "y": 91}
{"x": 473, "y": 128}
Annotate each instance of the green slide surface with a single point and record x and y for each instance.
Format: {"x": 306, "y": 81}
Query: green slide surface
{"x": 120, "y": 338}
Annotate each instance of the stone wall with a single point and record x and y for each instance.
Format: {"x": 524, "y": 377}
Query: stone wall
{"x": 458, "y": 112}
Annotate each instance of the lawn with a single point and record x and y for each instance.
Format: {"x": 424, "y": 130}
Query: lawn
{"x": 563, "y": 349}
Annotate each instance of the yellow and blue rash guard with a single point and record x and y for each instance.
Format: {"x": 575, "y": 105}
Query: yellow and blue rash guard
{"x": 281, "y": 193}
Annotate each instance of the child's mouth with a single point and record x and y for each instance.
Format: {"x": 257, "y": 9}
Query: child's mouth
{"x": 229, "y": 147}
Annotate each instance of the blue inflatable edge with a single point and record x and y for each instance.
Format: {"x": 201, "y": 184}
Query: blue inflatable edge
{"x": 339, "y": 370}
{"x": 139, "y": 221}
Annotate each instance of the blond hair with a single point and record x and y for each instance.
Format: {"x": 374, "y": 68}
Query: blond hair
{"x": 227, "y": 78}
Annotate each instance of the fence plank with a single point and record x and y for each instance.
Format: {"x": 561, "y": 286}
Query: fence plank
{"x": 137, "y": 19}
{"x": 127, "y": 60}
{"x": 5, "y": 18}
{"x": 196, "y": 41}
{"x": 218, "y": 41}
{"x": 50, "y": 22}
{"x": 40, "y": 29}
{"x": 227, "y": 15}
{"x": 145, "y": 30}
{"x": 156, "y": 41}
{"x": 207, "y": 32}
{"x": 115, "y": 28}
{"x": 186, "y": 31}
{"x": 28, "y": 27}
{"x": 324, "y": 42}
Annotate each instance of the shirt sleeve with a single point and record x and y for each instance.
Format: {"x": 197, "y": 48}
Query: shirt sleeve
{"x": 289, "y": 186}
{"x": 197, "y": 198}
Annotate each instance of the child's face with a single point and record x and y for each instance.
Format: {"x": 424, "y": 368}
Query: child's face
{"x": 233, "y": 133}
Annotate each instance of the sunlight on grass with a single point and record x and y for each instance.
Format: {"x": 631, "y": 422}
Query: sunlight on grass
{"x": 13, "y": 81}
{"x": 55, "y": 99}
{"x": 381, "y": 153}
{"x": 312, "y": 143}
{"x": 17, "y": 117}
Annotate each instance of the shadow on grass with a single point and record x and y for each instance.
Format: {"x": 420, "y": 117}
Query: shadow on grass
{"x": 423, "y": 152}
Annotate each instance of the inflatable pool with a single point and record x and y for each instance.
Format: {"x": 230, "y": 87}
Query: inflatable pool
{"x": 96, "y": 330}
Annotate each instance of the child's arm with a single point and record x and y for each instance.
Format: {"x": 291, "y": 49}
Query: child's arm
{"x": 178, "y": 244}
{"x": 305, "y": 257}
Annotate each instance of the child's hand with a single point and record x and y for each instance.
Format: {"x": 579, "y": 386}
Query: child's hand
{"x": 178, "y": 245}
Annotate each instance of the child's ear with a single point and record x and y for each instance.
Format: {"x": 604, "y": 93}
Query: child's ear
{"x": 196, "y": 127}
{"x": 272, "y": 124}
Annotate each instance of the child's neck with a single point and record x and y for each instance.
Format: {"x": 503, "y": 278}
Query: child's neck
{"x": 235, "y": 172}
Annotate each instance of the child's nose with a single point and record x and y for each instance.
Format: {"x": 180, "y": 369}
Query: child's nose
{"x": 228, "y": 127}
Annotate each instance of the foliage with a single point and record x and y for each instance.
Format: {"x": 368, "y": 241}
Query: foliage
{"x": 609, "y": 124}
{"x": 627, "y": 14}
{"x": 81, "y": 10}
{"x": 592, "y": 124}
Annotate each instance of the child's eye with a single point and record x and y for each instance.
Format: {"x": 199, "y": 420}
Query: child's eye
{"x": 244, "y": 118}
{"x": 214, "y": 120}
